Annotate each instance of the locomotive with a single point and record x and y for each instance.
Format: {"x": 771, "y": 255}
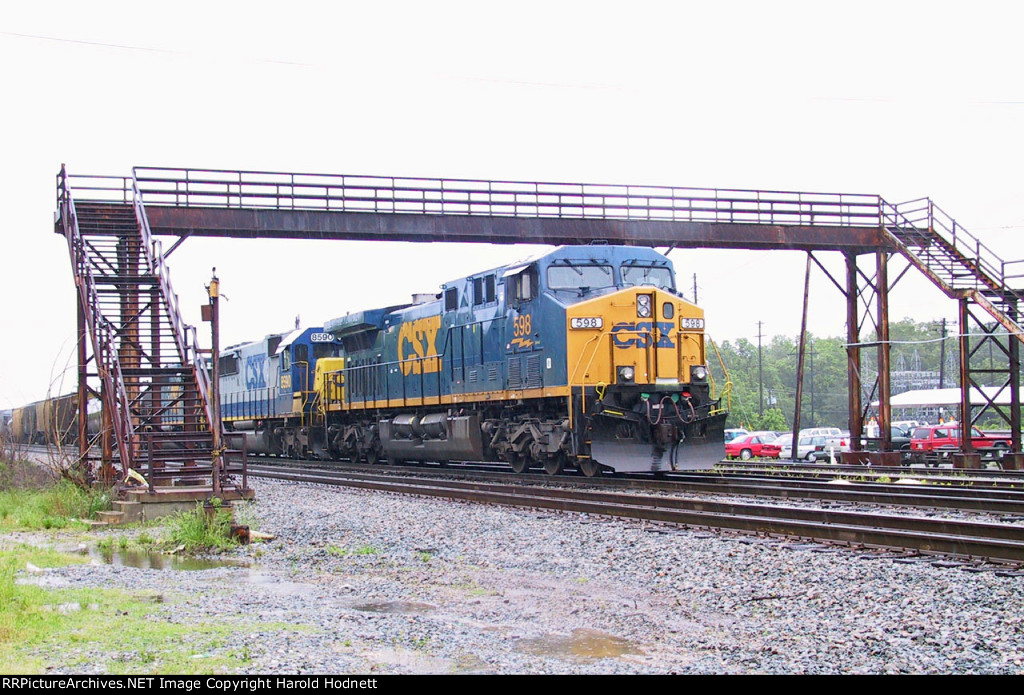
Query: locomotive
{"x": 583, "y": 357}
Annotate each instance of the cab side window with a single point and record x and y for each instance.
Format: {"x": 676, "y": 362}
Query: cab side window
{"x": 524, "y": 285}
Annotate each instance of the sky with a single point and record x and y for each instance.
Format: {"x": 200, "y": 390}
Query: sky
{"x": 900, "y": 99}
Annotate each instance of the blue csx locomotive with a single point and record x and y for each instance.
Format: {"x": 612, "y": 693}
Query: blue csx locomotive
{"x": 584, "y": 357}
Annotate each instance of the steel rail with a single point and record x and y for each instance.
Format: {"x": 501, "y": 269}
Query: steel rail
{"x": 994, "y": 542}
{"x": 941, "y": 497}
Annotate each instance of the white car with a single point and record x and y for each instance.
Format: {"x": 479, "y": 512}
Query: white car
{"x": 807, "y": 448}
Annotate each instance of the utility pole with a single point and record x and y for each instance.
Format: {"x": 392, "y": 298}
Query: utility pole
{"x": 942, "y": 359}
{"x": 695, "y": 289}
{"x": 760, "y": 373}
{"x": 211, "y": 313}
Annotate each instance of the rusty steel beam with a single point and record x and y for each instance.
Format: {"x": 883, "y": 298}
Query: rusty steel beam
{"x": 337, "y": 225}
{"x": 966, "y": 445}
{"x": 856, "y": 419}
{"x": 884, "y": 390}
{"x": 1014, "y": 379}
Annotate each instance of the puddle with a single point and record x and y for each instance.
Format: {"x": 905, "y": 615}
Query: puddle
{"x": 142, "y": 559}
{"x": 401, "y": 607}
{"x": 582, "y": 644}
{"x": 409, "y": 661}
{"x": 281, "y": 587}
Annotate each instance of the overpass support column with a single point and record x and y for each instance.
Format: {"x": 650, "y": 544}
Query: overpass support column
{"x": 966, "y": 445}
{"x": 856, "y": 416}
{"x": 882, "y": 296}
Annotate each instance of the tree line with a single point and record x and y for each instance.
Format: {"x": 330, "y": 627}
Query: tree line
{"x": 919, "y": 358}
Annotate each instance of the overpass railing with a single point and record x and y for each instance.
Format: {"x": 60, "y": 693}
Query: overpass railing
{"x": 378, "y": 194}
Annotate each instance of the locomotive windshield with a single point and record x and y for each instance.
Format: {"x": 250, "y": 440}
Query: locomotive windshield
{"x": 580, "y": 276}
{"x": 657, "y": 276}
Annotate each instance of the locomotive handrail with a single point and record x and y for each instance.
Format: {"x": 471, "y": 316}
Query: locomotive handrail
{"x": 348, "y": 371}
{"x": 163, "y": 186}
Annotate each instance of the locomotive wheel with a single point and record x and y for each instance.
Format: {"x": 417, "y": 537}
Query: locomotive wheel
{"x": 519, "y": 463}
{"x": 372, "y": 457}
{"x": 589, "y": 467}
{"x": 554, "y": 465}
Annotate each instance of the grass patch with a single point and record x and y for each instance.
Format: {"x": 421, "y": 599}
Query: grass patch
{"x": 61, "y": 505}
{"x": 197, "y": 530}
{"x": 339, "y": 551}
{"x": 42, "y": 628}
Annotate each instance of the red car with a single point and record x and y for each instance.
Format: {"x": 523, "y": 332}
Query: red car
{"x": 933, "y": 440}
{"x": 751, "y": 445}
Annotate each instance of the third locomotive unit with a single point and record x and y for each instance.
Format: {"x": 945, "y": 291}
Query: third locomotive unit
{"x": 585, "y": 357}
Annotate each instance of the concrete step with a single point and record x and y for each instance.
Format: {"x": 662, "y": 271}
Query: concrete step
{"x": 112, "y": 518}
{"x": 132, "y": 511}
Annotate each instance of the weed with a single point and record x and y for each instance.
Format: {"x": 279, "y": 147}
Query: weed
{"x": 197, "y": 530}
{"x": 56, "y": 506}
{"x": 424, "y": 557}
{"x": 338, "y": 551}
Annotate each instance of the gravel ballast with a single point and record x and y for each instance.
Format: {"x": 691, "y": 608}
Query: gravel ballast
{"x": 384, "y": 583}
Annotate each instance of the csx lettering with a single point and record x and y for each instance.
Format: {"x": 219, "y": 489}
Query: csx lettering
{"x": 254, "y": 376}
{"x": 641, "y": 335}
{"x": 416, "y": 340}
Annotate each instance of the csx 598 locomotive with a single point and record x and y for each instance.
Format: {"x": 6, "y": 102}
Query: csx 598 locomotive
{"x": 584, "y": 357}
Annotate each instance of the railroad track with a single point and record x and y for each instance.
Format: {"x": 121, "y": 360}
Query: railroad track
{"x": 946, "y": 471}
{"x": 987, "y": 541}
{"x": 911, "y": 492}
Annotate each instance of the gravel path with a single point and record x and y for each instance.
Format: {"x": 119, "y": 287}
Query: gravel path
{"x": 384, "y": 583}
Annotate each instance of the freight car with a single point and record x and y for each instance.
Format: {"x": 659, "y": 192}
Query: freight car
{"x": 50, "y": 421}
{"x": 584, "y": 357}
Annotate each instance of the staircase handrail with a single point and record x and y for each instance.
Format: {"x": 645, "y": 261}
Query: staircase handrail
{"x": 923, "y": 214}
{"x": 188, "y": 350}
{"x": 101, "y": 329}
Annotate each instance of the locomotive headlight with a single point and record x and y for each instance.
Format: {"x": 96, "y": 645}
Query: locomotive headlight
{"x": 626, "y": 374}
{"x": 643, "y": 306}
{"x": 698, "y": 373}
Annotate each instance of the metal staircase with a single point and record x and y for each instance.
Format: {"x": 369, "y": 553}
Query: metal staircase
{"x": 968, "y": 271}
{"x": 154, "y": 386}
{"x": 955, "y": 260}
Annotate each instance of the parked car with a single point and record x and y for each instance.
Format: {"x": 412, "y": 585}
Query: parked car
{"x": 808, "y": 449}
{"x": 935, "y": 442}
{"x": 749, "y": 446}
{"x": 767, "y": 435}
{"x": 835, "y": 439}
{"x": 732, "y": 434}
{"x": 900, "y": 439}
